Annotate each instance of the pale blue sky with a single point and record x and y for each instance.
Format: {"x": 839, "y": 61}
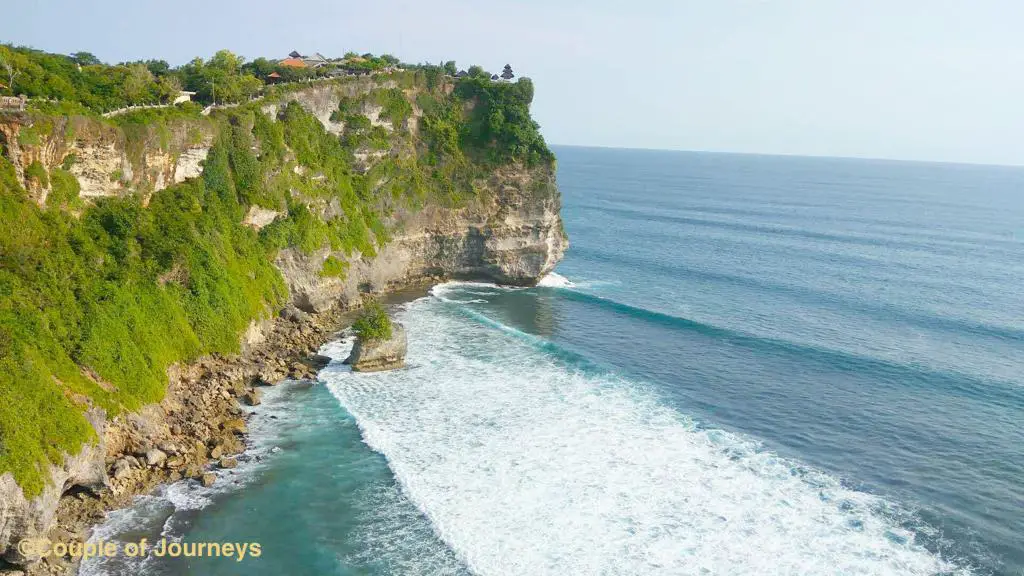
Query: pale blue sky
{"x": 906, "y": 79}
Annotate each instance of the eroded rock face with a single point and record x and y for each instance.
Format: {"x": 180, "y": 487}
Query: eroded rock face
{"x": 99, "y": 156}
{"x": 21, "y": 518}
{"x": 379, "y": 355}
{"x": 512, "y": 234}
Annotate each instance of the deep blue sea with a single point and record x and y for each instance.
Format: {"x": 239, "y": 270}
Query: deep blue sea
{"x": 744, "y": 365}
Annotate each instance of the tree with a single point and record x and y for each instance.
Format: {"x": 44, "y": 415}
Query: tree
{"x": 450, "y": 68}
{"x": 227, "y": 61}
{"x": 158, "y": 67}
{"x": 477, "y": 72}
{"x": 85, "y": 59}
{"x": 8, "y": 67}
{"x": 137, "y": 84}
{"x": 168, "y": 88}
{"x": 507, "y": 72}
{"x": 260, "y": 67}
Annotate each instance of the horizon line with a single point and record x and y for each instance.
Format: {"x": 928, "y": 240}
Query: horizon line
{"x": 796, "y": 155}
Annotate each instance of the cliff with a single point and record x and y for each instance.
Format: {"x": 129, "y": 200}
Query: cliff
{"x": 152, "y": 241}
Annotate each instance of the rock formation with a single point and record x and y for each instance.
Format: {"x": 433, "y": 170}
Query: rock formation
{"x": 380, "y": 355}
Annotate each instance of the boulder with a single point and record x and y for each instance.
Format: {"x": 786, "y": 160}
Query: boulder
{"x": 293, "y": 314}
{"x": 122, "y": 468}
{"x": 155, "y": 457}
{"x": 234, "y": 425}
{"x": 228, "y": 462}
{"x": 252, "y": 397}
{"x": 377, "y": 355}
{"x": 318, "y": 361}
{"x": 208, "y": 478}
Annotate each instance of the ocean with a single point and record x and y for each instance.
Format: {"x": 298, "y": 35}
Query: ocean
{"x": 744, "y": 365}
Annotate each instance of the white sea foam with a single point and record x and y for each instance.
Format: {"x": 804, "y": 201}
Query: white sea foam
{"x": 524, "y": 466}
{"x": 444, "y": 291}
{"x": 555, "y": 280}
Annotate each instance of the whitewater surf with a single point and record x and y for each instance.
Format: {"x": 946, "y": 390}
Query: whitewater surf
{"x": 526, "y": 463}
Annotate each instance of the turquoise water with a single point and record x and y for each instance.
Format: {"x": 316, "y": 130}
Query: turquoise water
{"x": 745, "y": 365}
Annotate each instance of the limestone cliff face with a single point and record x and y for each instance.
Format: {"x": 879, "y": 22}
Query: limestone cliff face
{"x": 106, "y": 159}
{"x": 510, "y": 232}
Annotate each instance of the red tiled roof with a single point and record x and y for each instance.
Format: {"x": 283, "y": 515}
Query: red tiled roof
{"x": 273, "y": 75}
{"x": 293, "y": 62}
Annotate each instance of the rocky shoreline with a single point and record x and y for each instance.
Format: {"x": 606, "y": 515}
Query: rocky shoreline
{"x": 198, "y": 426}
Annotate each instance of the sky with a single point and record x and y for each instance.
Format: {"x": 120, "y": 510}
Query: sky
{"x": 938, "y": 80}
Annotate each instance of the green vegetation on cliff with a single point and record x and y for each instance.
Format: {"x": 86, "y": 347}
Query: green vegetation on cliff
{"x": 373, "y": 323}
{"x": 98, "y": 299}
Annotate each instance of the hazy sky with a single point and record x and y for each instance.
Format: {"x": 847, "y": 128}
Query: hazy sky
{"x": 909, "y": 79}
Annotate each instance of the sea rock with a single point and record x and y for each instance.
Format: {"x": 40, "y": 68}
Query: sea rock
{"x": 318, "y": 361}
{"x": 378, "y": 355}
{"x": 208, "y": 478}
{"x": 228, "y": 462}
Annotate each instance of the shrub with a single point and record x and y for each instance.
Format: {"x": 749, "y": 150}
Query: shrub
{"x": 65, "y": 189}
{"x": 334, "y": 268}
{"x": 37, "y": 172}
{"x": 373, "y": 323}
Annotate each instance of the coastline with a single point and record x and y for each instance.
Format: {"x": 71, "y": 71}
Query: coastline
{"x": 200, "y": 424}
{"x": 497, "y": 220}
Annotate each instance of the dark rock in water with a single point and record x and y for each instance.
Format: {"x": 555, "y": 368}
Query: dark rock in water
{"x": 378, "y": 355}
{"x": 319, "y": 361}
